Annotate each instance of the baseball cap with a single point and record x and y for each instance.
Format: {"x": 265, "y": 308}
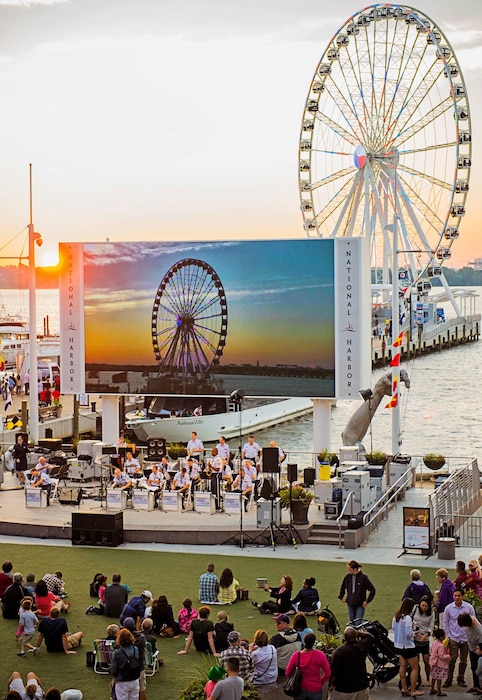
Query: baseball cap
{"x": 146, "y": 594}
{"x": 234, "y": 636}
{"x": 280, "y": 618}
{"x": 130, "y": 623}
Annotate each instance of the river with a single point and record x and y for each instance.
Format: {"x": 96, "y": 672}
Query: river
{"x": 439, "y": 413}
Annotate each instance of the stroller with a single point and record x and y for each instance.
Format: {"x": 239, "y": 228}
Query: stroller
{"x": 382, "y": 654}
{"x": 327, "y": 622}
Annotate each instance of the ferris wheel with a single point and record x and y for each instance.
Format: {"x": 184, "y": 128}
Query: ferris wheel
{"x": 189, "y": 320}
{"x": 386, "y": 141}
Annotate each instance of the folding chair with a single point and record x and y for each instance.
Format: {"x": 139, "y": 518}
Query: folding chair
{"x": 151, "y": 660}
{"x": 104, "y": 651}
{"x": 54, "y": 490}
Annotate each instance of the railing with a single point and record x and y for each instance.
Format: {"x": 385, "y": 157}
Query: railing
{"x": 379, "y": 510}
{"x": 348, "y": 502}
{"x": 466, "y": 529}
{"x": 453, "y": 503}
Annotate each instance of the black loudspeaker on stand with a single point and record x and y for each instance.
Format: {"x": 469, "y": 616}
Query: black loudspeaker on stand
{"x": 101, "y": 530}
{"x": 271, "y": 460}
{"x": 70, "y": 496}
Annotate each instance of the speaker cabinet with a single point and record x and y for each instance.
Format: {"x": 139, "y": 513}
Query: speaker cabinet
{"x": 270, "y": 460}
{"x": 309, "y": 476}
{"x": 156, "y": 449}
{"x": 292, "y": 472}
{"x": 70, "y": 497}
{"x": 52, "y": 444}
{"x": 101, "y": 530}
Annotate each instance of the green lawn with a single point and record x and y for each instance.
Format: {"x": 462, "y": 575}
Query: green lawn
{"x": 176, "y": 576}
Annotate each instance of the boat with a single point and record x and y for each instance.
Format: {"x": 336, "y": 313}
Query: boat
{"x": 14, "y": 342}
{"x": 159, "y": 421}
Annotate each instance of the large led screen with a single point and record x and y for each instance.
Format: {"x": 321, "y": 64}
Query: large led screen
{"x": 204, "y": 318}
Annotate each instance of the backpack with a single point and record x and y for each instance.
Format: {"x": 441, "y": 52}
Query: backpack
{"x": 131, "y": 669}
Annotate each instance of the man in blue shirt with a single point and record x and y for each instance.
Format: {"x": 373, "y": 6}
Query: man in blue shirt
{"x": 136, "y": 608}
{"x": 208, "y": 586}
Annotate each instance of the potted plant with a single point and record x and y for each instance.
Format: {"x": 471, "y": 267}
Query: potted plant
{"x": 300, "y": 502}
{"x": 176, "y": 450}
{"x": 433, "y": 461}
{"x": 376, "y": 457}
{"x": 327, "y": 643}
{"x": 327, "y": 457}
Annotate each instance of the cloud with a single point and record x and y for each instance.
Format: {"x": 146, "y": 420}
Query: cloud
{"x": 102, "y": 254}
{"x": 32, "y": 3}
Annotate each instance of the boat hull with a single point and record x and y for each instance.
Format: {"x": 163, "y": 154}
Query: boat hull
{"x": 210, "y": 427}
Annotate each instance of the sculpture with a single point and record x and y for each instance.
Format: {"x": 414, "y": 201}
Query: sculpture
{"x": 356, "y": 428}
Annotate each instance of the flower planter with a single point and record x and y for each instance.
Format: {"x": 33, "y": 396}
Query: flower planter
{"x": 299, "y": 511}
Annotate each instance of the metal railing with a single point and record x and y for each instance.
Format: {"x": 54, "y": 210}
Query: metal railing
{"x": 348, "y": 502}
{"x": 466, "y": 529}
{"x": 379, "y": 510}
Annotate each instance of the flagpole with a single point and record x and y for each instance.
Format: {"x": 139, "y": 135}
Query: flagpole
{"x": 396, "y": 440}
{"x": 32, "y": 305}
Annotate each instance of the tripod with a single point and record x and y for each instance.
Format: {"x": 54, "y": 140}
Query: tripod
{"x": 104, "y": 479}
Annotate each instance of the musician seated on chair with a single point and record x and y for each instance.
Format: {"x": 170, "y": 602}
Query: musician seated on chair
{"x": 182, "y": 483}
{"x": 252, "y": 470}
{"x": 243, "y": 484}
{"x": 42, "y": 465}
{"x": 41, "y": 480}
{"x": 194, "y": 472}
{"x": 132, "y": 466}
{"x": 121, "y": 480}
{"x": 166, "y": 470}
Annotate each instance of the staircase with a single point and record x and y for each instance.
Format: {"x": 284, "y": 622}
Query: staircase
{"x": 326, "y": 533}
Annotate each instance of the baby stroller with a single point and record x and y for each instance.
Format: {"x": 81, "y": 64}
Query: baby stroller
{"x": 382, "y": 653}
{"x": 327, "y": 622}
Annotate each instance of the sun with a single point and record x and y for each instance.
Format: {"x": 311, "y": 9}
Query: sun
{"x": 46, "y": 257}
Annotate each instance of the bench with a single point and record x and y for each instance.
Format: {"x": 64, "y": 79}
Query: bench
{"x": 48, "y": 412}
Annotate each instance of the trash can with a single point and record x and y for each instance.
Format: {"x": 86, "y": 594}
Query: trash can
{"x": 324, "y": 471}
{"x": 446, "y": 548}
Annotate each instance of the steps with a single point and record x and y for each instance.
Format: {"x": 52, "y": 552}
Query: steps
{"x": 326, "y": 533}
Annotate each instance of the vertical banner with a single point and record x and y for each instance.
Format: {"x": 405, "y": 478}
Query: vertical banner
{"x": 352, "y": 317}
{"x": 71, "y": 288}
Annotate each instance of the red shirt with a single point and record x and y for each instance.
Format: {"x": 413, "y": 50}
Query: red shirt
{"x": 44, "y": 603}
{"x": 315, "y": 669}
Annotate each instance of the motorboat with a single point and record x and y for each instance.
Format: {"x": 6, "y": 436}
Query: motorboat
{"x": 14, "y": 342}
{"x": 174, "y": 419}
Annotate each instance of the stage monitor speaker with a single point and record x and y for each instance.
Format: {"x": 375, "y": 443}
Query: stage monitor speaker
{"x": 70, "y": 497}
{"x": 101, "y": 530}
{"x": 309, "y": 476}
{"x": 267, "y": 489}
{"x": 156, "y": 449}
{"x": 270, "y": 460}
{"x": 292, "y": 472}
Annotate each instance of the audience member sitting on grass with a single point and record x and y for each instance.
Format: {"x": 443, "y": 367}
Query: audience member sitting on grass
{"x": 186, "y": 615}
{"x": 222, "y": 628}
{"x": 55, "y": 631}
{"x": 13, "y": 596}
{"x": 240, "y": 652}
{"x": 111, "y": 631}
{"x": 55, "y": 584}
{"x": 147, "y": 632}
{"x": 208, "y": 586}
{"x": 228, "y": 587}
{"x": 32, "y": 689}
{"x": 30, "y": 584}
{"x": 201, "y": 633}
{"x": 101, "y": 585}
{"x": 6, "y": 576}
{"x": 70, "y": 694}
{"x": 45, "y": 600}
{"x": 115, "y": 596}
{"x": 163, "y": 618}
{"x": 307, "y": 599}
{"x": 136, "y": 608}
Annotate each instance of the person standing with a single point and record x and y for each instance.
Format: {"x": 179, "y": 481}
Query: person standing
{"x": 403, "y": 639}
{"x": 352, "y": 654}
{"x": 473, "y": 629}
{"x": 439, "y": 662}
{"x": 195, "y": 447}
{"x": 354, "y": 589}
{"x": 215, "y": 465}
{"x": 251, "y": 450}
{"x": 126, "y": 667}
{"x": 445, "y": 594}
{"x": 20, "y": 451}
{"x": 314, "y": 666}
{"x": 457, "y": 636}
{"x": 417, "y": 589}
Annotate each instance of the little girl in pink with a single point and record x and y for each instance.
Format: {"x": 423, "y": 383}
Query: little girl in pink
{"x": 186, "y": 615}
{"x": 439, "y": 663}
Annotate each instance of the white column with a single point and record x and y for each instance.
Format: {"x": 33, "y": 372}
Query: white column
{"x": 321, "y": 424}
{"x": 110, "y": 418}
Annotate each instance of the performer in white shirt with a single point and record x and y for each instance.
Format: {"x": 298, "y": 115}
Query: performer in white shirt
{"x": 132, "y": 466}
{"x": 195, "y": 447}
{"x": 251, "y": 450}
{"x": 243, "y": 484}
{"x": 215, "y": 464}
{"x": 182, "y": 483}
{"x": 121, "y": 480}
{"x": 41, "y": 480}
{"x": 223, "y": 449}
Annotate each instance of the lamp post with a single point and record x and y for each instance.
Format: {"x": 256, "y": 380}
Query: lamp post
{"x": 33, "y": 238}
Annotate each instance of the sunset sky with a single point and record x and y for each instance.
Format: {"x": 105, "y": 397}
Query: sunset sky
{"x": 280, "y": 300}
{"x": 159, "y": 119}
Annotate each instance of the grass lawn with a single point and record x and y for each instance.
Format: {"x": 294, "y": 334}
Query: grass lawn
{"x": 176, "y": 576}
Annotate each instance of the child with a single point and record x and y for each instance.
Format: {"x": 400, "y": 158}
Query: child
{"x": 221, "y": 630}
{"x": 215, "y": 674}
{"x": 186, "y": 615}
{"x": 439, "y": 663}
{"x": 27, "y": 623}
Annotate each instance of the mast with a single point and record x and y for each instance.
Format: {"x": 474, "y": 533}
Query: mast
{"x": 32, "y": 305}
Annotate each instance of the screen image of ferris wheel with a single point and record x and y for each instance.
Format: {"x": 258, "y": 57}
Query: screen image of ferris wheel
{"x": 206, "y": 317}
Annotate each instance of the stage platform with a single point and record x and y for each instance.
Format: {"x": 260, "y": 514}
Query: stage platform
{"x": 156, "y": 526}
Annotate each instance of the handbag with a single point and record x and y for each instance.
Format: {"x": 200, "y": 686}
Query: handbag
{"x": 166, "y": 631}
{"x": 292, "y": 686}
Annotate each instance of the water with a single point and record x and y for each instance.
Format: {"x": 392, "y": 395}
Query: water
{"x": 439, "y": 413}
